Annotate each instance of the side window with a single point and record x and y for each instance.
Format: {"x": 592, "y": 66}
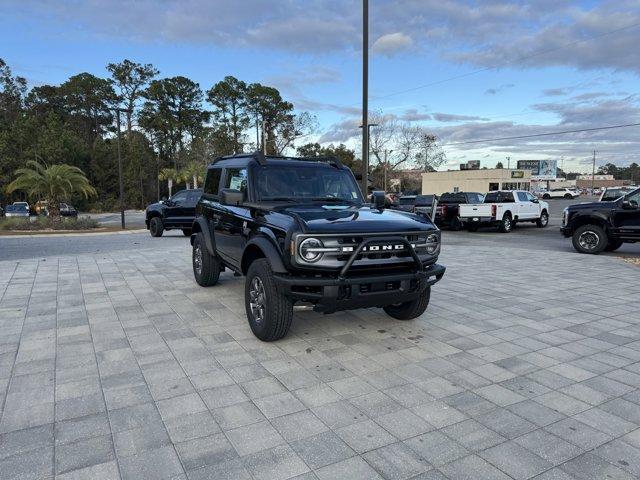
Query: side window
{"x": 634, "y": 197}
{"x": 179, "y": 198}
{"x": 213, "y": 181}
{"x": 530, "y": 197}
{"x": 522, "y": 197}
{"x": 236, "y": 179}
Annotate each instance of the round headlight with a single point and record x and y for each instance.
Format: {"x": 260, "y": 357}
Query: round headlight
{"x": 433, "y": 243}
{"x": 307, "y": 248}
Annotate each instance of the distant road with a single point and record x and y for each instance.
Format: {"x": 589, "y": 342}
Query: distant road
{"x": 132, "y": 218}
{"x": 47, "y": 246}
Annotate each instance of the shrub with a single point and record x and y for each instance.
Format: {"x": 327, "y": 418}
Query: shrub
{"x": 47, "y": 223}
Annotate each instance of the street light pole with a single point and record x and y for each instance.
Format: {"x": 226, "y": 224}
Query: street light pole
{"x": 120, "y": 176}
{"x": 365, "y": 97}
{"x": 120, "y": 171}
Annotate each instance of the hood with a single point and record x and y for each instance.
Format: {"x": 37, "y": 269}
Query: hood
{"x": 592, "y": 206}
{"x": 329, "y": 219}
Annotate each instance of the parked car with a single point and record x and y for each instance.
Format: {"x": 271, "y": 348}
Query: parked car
{"x": 426, "y": 205}
{"x": 16, "y": 210}
{"x": 406, "y": 203}
{"x": 67, "y": 210}
{"x": 613, "y": 193}
{"x": 176, "y": 212}
{"x": 503, "y": 209}
{"x": 300, "y": 231}
{"x": 603, "y": 226}
{"x": 23, "y": 204}
{"x": 447, "y": 211}
{"x": 567, "y": 193}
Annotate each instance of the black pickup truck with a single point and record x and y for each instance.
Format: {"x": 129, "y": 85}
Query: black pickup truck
{"x": 177, "y": 212}
{"x": 447, "y": 211}
{"x": 299, "y": 230}
{"x": 603, "y": 226}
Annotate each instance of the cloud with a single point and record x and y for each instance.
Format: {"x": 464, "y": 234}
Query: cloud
{"x": 556, "y": 92}
{"x": 412, "y": 115}
{"x": 392, "y": 43}
{"x": 501, "y": 88}
{"x": 452, "y": 117}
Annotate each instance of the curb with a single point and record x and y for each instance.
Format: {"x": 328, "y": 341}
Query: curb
{"x": 73, "y": 234}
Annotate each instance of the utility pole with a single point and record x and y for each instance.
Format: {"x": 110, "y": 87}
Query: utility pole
{"x": 120, "y": 176}
{"x": 365, "y": 98}
{"x": 593, "y": 173}
{"x": 508, "y": 163}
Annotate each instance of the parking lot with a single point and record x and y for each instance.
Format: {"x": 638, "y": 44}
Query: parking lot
{"x": 115, "y": 364}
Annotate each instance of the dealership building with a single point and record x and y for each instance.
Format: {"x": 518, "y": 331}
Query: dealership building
{"x": 475, "y": 180}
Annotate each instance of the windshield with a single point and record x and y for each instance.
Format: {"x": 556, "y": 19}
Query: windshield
{"x": 297, "y": 183}
{"x": 612, "y": 194}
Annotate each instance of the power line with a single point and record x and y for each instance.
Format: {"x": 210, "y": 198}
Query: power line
{"x": 525, "y": 57}
{"x": 548, "y": 134}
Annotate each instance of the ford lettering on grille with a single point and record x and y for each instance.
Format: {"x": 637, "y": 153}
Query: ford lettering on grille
{"x": 377, "y": 248}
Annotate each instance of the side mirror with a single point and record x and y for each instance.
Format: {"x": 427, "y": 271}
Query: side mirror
{"x": 230, "y": 196}
{"x": 535, "y": 200}
{"x": 377, "y": 200}
{"x": 629, "y": 204}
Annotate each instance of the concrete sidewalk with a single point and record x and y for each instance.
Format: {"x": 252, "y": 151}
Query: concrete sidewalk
{"x": 118, "y": 365}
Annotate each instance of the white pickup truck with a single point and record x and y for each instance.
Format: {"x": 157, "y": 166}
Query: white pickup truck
{"x": 503, "y": 209}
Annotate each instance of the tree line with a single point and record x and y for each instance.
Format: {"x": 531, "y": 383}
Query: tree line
{"x": 169, "y": 125}
{"x": 171, "y": 129}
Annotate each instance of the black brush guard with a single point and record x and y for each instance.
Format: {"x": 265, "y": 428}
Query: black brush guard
{"x": 345, "y": 292}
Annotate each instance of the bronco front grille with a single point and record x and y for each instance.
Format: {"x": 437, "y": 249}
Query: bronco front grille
{"x": 337, "y": 250}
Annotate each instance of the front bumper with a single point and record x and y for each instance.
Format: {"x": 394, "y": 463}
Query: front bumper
{"x": 566, "y": 231}
{"x": 331, "y": 294}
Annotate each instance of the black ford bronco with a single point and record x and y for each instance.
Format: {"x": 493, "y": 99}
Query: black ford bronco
{"x": 177, "y": 212}
{"x": 299, "y": 231}
{"x": 603, "y": 226}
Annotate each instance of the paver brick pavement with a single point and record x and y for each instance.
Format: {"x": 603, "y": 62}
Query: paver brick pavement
{"x": 119, "y": 366}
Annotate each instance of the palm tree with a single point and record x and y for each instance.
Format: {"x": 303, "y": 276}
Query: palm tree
{"x": 192, "y": 174}
{"x": 168, "y": 175}
{"x": 52, "y": 183}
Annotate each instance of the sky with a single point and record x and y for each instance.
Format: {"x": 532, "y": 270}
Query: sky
{"x": 468, "y": 71}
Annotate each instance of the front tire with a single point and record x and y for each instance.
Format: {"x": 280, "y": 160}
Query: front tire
{"x": 186, "y": 232}
{"x": 269, "y": 312}
{"x": 206, "y": 267}
{"x": 589, "y": 239}
{"x": 506, "y": 225}
{"x": 409, "y": 310}
{"x": 546, "y": 196}
{"x": 156, "y": 227}
{"x": 543, "y": 221}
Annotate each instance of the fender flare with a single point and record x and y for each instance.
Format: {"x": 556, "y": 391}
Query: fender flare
{"x": 200, "y": 224}
{"x": 269, "y": 250}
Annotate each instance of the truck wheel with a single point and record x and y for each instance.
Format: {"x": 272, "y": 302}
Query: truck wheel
{"x": 546, "y": 196}
{"x": 456, "y": 224}
{"x": 156, "y": 228}
{"x": 206, "y": 267}
{"x": 543, "y": 221}
{"x": 186, "y": 232}
{"x": 568, "y": 196}
{"x": 589, "y": 239}
{"x": 409, "y": 310}
{"x": 507, "y": 224}
{"x": 269, "y": 312}
{"x": 613, "y": 245}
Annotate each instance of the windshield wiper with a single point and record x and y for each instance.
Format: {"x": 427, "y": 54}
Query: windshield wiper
{"x": 331, "y": 199}
{"x": 278, "y": 199}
